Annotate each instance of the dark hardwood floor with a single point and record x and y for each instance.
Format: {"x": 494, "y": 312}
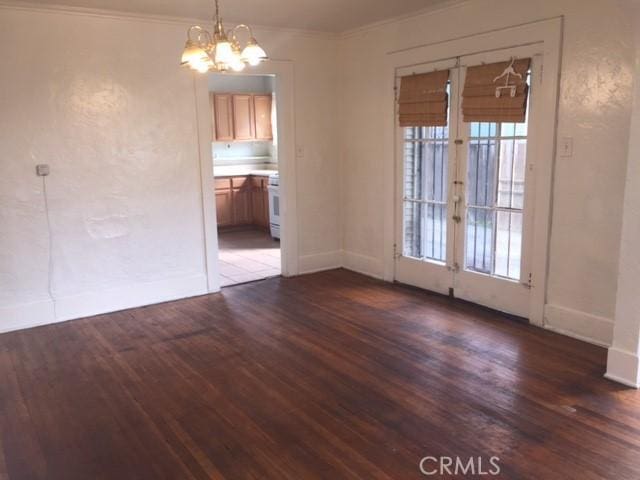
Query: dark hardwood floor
{"x": 326, "y": 376}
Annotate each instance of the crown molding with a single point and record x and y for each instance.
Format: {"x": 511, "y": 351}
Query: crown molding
{"x": 187, "y": 21}
{"x": 19, "y": 5}
{"x": 431, "y": 10}
{"x": 95, "y": 12}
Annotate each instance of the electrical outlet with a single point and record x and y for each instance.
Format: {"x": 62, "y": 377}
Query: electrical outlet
{"x": 565, "y": 147}
{"x": 42, "y": 170}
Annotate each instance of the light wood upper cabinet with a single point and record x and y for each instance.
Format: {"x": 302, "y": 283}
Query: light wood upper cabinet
{"x": 243, "y": 119}
{"x": 222, "y": 117}
{"x": 262, "y": 109}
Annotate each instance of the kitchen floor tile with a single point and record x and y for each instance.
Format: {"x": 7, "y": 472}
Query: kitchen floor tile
{"x": 247, "y": 255}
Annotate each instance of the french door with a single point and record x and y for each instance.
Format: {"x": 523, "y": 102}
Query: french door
{"x": 464, "y": 200}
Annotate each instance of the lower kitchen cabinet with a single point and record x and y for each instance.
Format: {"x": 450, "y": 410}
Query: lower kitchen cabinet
{"x": 260, "y": 201}
{"x": 223, "y": 208}
{"x": 242, "y": 201}
{"x": 241, "y": 206}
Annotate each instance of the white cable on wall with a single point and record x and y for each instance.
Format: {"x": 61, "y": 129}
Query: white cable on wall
{"x": 50, "y": 250}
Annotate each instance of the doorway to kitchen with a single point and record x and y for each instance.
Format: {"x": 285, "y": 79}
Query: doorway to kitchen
{"x": 246, "y": 176}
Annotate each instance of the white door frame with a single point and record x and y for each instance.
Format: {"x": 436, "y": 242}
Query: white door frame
{"x": 511, "y": 296}
{"x": 429, "y": 275}
{"x": 548, "y": 33}
{"x": 284, "y": 73}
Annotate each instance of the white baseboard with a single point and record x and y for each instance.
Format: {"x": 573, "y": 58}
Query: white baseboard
{"x": 364, "y": 264}
{"x": 623, "y": 367}
{"x": 580, "y": 325}
{"x": 319, "y": 262}
{"x": 25, "y": 315}
{"x": 98, "y": 302}
{"x": 566, "y": 321}
{"x": 129, "y": 296}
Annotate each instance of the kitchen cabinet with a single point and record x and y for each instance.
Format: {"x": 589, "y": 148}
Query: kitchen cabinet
{"x": 242, "y": 117}
{"x": 242, "y": 200}
{"x": 222, "y": 117}
{"x": 223, "y": 208}
{"x": 244, "y": 124}
{"x": 260, "y": 201}
{"x": 224, "y": 212}
{"x": 262, "y": 113}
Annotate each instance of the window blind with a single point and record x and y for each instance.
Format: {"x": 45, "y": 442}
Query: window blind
{"x": 423, "y": 100}
{"x": 479, "y": 100}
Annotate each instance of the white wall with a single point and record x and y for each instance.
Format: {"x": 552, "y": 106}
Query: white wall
{"x": 594, "y": 109}
{"x": 102, "y": 100}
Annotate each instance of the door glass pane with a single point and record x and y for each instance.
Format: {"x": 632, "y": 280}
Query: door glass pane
{"x": 511, "y": 175}
{"x": 479, "y": 250}
{"x": 481, "y": 168}
{"x": 425, "y": 192}
{"x": 495, "y": 198}
{"x": 508, "y": 244}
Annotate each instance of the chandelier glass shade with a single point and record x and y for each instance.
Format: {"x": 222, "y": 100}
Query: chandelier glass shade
{"x": 220, "y": 52}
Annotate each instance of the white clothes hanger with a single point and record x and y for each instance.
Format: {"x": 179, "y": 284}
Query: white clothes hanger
{"x": 508, "y": 72}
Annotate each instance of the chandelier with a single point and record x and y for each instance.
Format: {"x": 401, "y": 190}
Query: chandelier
{"x": 220, "y": 52}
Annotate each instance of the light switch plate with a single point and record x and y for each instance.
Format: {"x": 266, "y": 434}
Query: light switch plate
{"x": 565, "y": 147}
{"x": 299, "y": 151}
{"x": 42, "y": 170}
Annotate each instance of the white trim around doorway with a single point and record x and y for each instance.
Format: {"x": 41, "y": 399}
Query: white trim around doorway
{"x": 284, "y": 72}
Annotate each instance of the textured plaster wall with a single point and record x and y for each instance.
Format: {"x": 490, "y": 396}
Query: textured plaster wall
{"x": 103, "y": 102}
{"x": 594, "y": 109}
{"x": 103, "y": 116}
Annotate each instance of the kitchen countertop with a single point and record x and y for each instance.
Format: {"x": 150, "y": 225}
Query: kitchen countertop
{"x": 247, "y": 160}
{"x": 243, "y": 170}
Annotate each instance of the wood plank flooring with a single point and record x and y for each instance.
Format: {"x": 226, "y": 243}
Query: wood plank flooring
{"x": 326, "y": 376}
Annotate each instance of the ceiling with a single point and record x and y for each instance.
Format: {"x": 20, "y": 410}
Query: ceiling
{"x": 321, "y": 15}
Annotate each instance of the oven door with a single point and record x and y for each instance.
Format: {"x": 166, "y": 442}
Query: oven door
{"x": 274, "y": 205}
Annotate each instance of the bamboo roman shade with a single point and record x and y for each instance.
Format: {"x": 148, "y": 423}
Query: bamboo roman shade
{"x": 424, "y": 100}
{"x": 480, "y": 102}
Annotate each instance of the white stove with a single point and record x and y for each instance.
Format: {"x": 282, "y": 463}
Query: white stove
{"x": 274, "y": 205}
